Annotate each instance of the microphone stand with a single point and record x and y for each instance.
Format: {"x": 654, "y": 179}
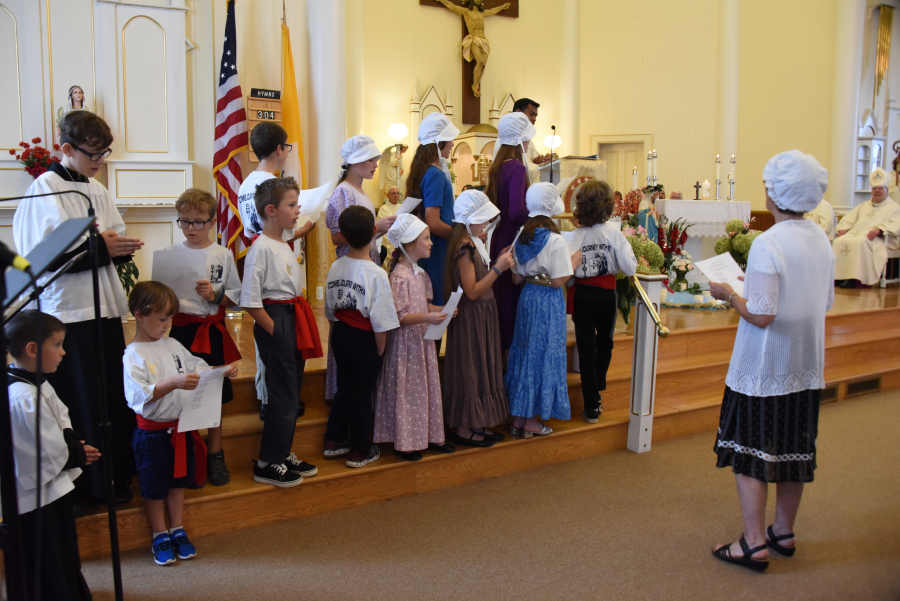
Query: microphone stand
{"x": 105, "y": 425}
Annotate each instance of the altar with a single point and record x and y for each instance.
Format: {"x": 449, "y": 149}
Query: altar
{"x": 708, "y": 219}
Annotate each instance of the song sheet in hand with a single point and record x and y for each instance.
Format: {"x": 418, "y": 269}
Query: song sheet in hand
{"x": 409, "y": 204}
{"x": 723, "y": 269}
{"x": 312, "y": 203}
{"x": 436, "y": 331}
{"x": 180, "y": 269}
{"x": 203, "y": 409}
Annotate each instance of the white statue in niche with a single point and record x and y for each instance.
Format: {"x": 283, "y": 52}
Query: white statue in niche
{"x": 75, "y": 103}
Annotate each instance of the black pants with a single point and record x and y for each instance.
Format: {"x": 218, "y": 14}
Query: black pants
{"x": 216, "y": 357}
{"x": 358, "y": 366}
{"x": 77, "y": 385}
{"x": 61, "y": 577}
{"x": 594, "y": 317}
{"x": 284, "y": 377}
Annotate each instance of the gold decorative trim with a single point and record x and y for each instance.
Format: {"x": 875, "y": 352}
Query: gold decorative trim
{"x": 18, "y": 74}
{"x": 182, "y": 171}
{"x": 165, "y": 84}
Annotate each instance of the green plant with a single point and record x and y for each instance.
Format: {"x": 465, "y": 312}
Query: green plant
{"x": 128, "y": 275}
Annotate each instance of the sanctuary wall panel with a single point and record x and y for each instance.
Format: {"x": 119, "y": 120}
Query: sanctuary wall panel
{"x": 144, "y": 86}
{"x": 11, "y": 98}
{"x": 13, "y": 180}
{"x": 147, "y": 183}
{"x": 70, "y": 25}
{"x": 156, "y": 234}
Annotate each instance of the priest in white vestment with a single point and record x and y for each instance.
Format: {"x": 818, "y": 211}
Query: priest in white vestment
{"x": 823, "y": 216}
{"x": 865, "y": 234}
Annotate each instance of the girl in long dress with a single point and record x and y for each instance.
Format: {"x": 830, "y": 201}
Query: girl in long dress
{"x": 474, "y": 395}
{"x": 536, "y": 373}
{"x": 408, "y": 408}
{"x": 507, "y": 184}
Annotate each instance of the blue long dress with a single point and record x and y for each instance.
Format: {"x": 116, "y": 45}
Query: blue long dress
{"x": 536, "y": 373}
{"x": 437, "y": 191}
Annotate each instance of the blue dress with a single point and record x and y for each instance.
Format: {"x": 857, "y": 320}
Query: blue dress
{"x": 536, "y": 373}
{"x": 437, "y": 191}
{"x": 648, "y": 222}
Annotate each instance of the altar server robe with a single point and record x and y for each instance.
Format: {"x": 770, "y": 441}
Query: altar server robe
{"x": 856, "y": 257}
{"x": 823, "y": 216}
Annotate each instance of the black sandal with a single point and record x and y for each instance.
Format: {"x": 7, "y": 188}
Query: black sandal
{"x": 471, "y": 442}
{"x": 772, "y": 541}
{"x": 747, "y": 561}
{"x": 494, "y": 436}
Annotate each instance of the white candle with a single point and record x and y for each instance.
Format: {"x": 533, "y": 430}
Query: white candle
{"x": 655, "y": 165}
{"x": 718, "y": 169}
{"x": 634, "y": 178}
{"x": 650, "y": 164}
{"x": 705, "y": 189}
{"x": 733, "y": 168}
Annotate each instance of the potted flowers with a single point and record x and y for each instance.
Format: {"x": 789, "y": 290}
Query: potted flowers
{"x": 738, "y": 241}
{"x": 37, "y": 159}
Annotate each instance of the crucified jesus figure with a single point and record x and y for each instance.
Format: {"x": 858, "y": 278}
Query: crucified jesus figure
{"x": 475, "y": 45}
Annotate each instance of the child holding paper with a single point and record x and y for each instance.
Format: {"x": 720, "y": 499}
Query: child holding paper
{"x": 158, "y": 373}
{"x": 200, "y": 323}
{"x": 408, "y": 408}
{"x": 605, "y": 252}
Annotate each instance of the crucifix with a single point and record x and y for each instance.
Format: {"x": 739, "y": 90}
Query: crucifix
{"x": 697, "y": 193}
{"x": 475, "y": 46}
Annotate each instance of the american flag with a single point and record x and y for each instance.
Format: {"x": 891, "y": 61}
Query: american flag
{"x": 231, "y": 138}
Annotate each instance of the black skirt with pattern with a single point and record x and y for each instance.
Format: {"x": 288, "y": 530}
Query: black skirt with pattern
{"x": 772, "y": 439}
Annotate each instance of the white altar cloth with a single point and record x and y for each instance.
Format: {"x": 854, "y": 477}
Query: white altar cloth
{"x": 707, "y": 216}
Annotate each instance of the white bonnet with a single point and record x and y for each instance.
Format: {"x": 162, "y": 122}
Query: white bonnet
{"x": 473, "y": 207}
{"x": 359, "y": 149}
{"x": 795, "y": 181}
{"x": 543, "y": 199}
{"x": 435, "y": 128}
{"x": 406, "y": 228}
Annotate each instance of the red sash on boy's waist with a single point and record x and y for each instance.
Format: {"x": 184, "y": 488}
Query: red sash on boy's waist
{"x": 180, "y": 445}
{"x": 607, "y": 282}
{"x": 354, "y": 318}
{"x": 201, "y": 338}
{"x": 308, "y": 342}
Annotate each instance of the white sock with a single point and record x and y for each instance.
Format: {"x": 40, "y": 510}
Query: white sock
{"x": 155, "y": 534}
{"x": 172, "y": 530}
{"x": 261, "y": 463}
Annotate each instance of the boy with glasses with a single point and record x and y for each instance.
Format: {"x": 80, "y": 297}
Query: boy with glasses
{"x": 199, "y": 324}
{"x": 85, "y": 142}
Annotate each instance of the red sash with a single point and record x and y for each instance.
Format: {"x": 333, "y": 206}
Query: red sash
{"x": 607, "y": 282}
{"x": 308, "y": 342}
{"x": 354, "y": 318}
{"x": 180, "y": 445}
{"x": 201, "y": 338}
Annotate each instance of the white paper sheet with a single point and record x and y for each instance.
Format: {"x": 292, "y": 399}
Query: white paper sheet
{"x": 312, "y": 203}
{"x": 722, "y": 269}
{"x": 180, "y": 271}
{"x": 436, "y": 331}
{"x": 574, "y": 240}
{"x": 408, "y": 205}
{"x": 203, "y": 409}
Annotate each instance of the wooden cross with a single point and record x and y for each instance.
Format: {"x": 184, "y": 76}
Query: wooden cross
{"x": 471, "y": 113}
{"x": 697, "y": 188}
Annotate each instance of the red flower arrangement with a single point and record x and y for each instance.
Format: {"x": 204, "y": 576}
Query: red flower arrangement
{"x": 628, "y": 207}
{"x": 37, "y": 159}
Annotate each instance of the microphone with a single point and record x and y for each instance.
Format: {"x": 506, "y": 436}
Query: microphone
{"x": 9, "y": 258}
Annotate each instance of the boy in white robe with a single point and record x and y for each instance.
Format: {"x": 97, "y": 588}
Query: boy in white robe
{"x": 63, "y": 454}
{"x": 865, "y": 234}
{"x": 85, "y": 143}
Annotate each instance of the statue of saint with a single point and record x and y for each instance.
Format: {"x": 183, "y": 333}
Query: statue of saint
{"x": 475, "y": 45}
{"x": 75, "y": 103}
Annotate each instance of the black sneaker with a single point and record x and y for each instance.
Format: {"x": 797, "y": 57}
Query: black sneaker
{"x": 591, "y": 416}
{"x": 357, "y": 459}
{"x": 276, "y": 475}
{"x": 301, "y": 467}
{"x": 301, "y": 409}
{"x": 262, "y": 412}
{"x": 216, "y": 471}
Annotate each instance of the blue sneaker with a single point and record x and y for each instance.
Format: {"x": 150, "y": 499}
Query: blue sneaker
{"x": 183, "y": 547}
{"x": 163, "y": 554}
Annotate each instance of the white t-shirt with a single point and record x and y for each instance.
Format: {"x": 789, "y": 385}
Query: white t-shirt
{"x": 604, "y": 251}
{"x": 71, "y": 297}
{"x": 270, "y": 272}
{"x": 149, "y": 363}
{"x": 554, "y": 259}
{"x": 361, "y": 286}
{"x": 55, "y": 482}
{"x": 220, "y": 271}
{"x": 253, "y": 223}
{"x": 790, "y": 274}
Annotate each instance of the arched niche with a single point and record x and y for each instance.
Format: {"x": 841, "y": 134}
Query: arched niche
{"x": 144, "y": 86}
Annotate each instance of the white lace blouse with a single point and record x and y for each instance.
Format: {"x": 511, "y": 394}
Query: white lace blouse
{"x": 790, "y": 274}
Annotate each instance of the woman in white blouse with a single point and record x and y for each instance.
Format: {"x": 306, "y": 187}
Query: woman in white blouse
{"x": 770, "y": 412}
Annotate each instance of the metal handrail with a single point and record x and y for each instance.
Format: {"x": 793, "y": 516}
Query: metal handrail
{"x": 661, "y": 330}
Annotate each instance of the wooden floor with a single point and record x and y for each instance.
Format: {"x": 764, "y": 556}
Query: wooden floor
{"x": 862, "y": 351}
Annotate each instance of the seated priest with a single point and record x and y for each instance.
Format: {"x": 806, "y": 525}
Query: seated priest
{"x": 388, "y": 174}
{"x": 865, "y": 234}
{"x": 823, "y": 216}
{"x": 676, "y": 195}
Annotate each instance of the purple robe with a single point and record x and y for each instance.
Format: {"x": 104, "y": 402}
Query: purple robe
{"x": 511, "y": 185}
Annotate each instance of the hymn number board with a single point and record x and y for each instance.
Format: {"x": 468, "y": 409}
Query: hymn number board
{"x": 262, "y": 105}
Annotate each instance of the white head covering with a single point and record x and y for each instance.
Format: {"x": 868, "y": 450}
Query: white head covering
{"x": 406, "y": 229}
{"x": 512, "y": 130}
{"x": 879, "y": 177}
{"x": 471, "y": 208}
{"x": 434, "y": 129}
{"x": 795, "y": 181}
{"x": 359, "y": 149}
{"x": 543, "y": 199}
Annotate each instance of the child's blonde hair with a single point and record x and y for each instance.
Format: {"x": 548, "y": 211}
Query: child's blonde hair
{"x": 152, "y": 297}
{"x": 197, "y": 200}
